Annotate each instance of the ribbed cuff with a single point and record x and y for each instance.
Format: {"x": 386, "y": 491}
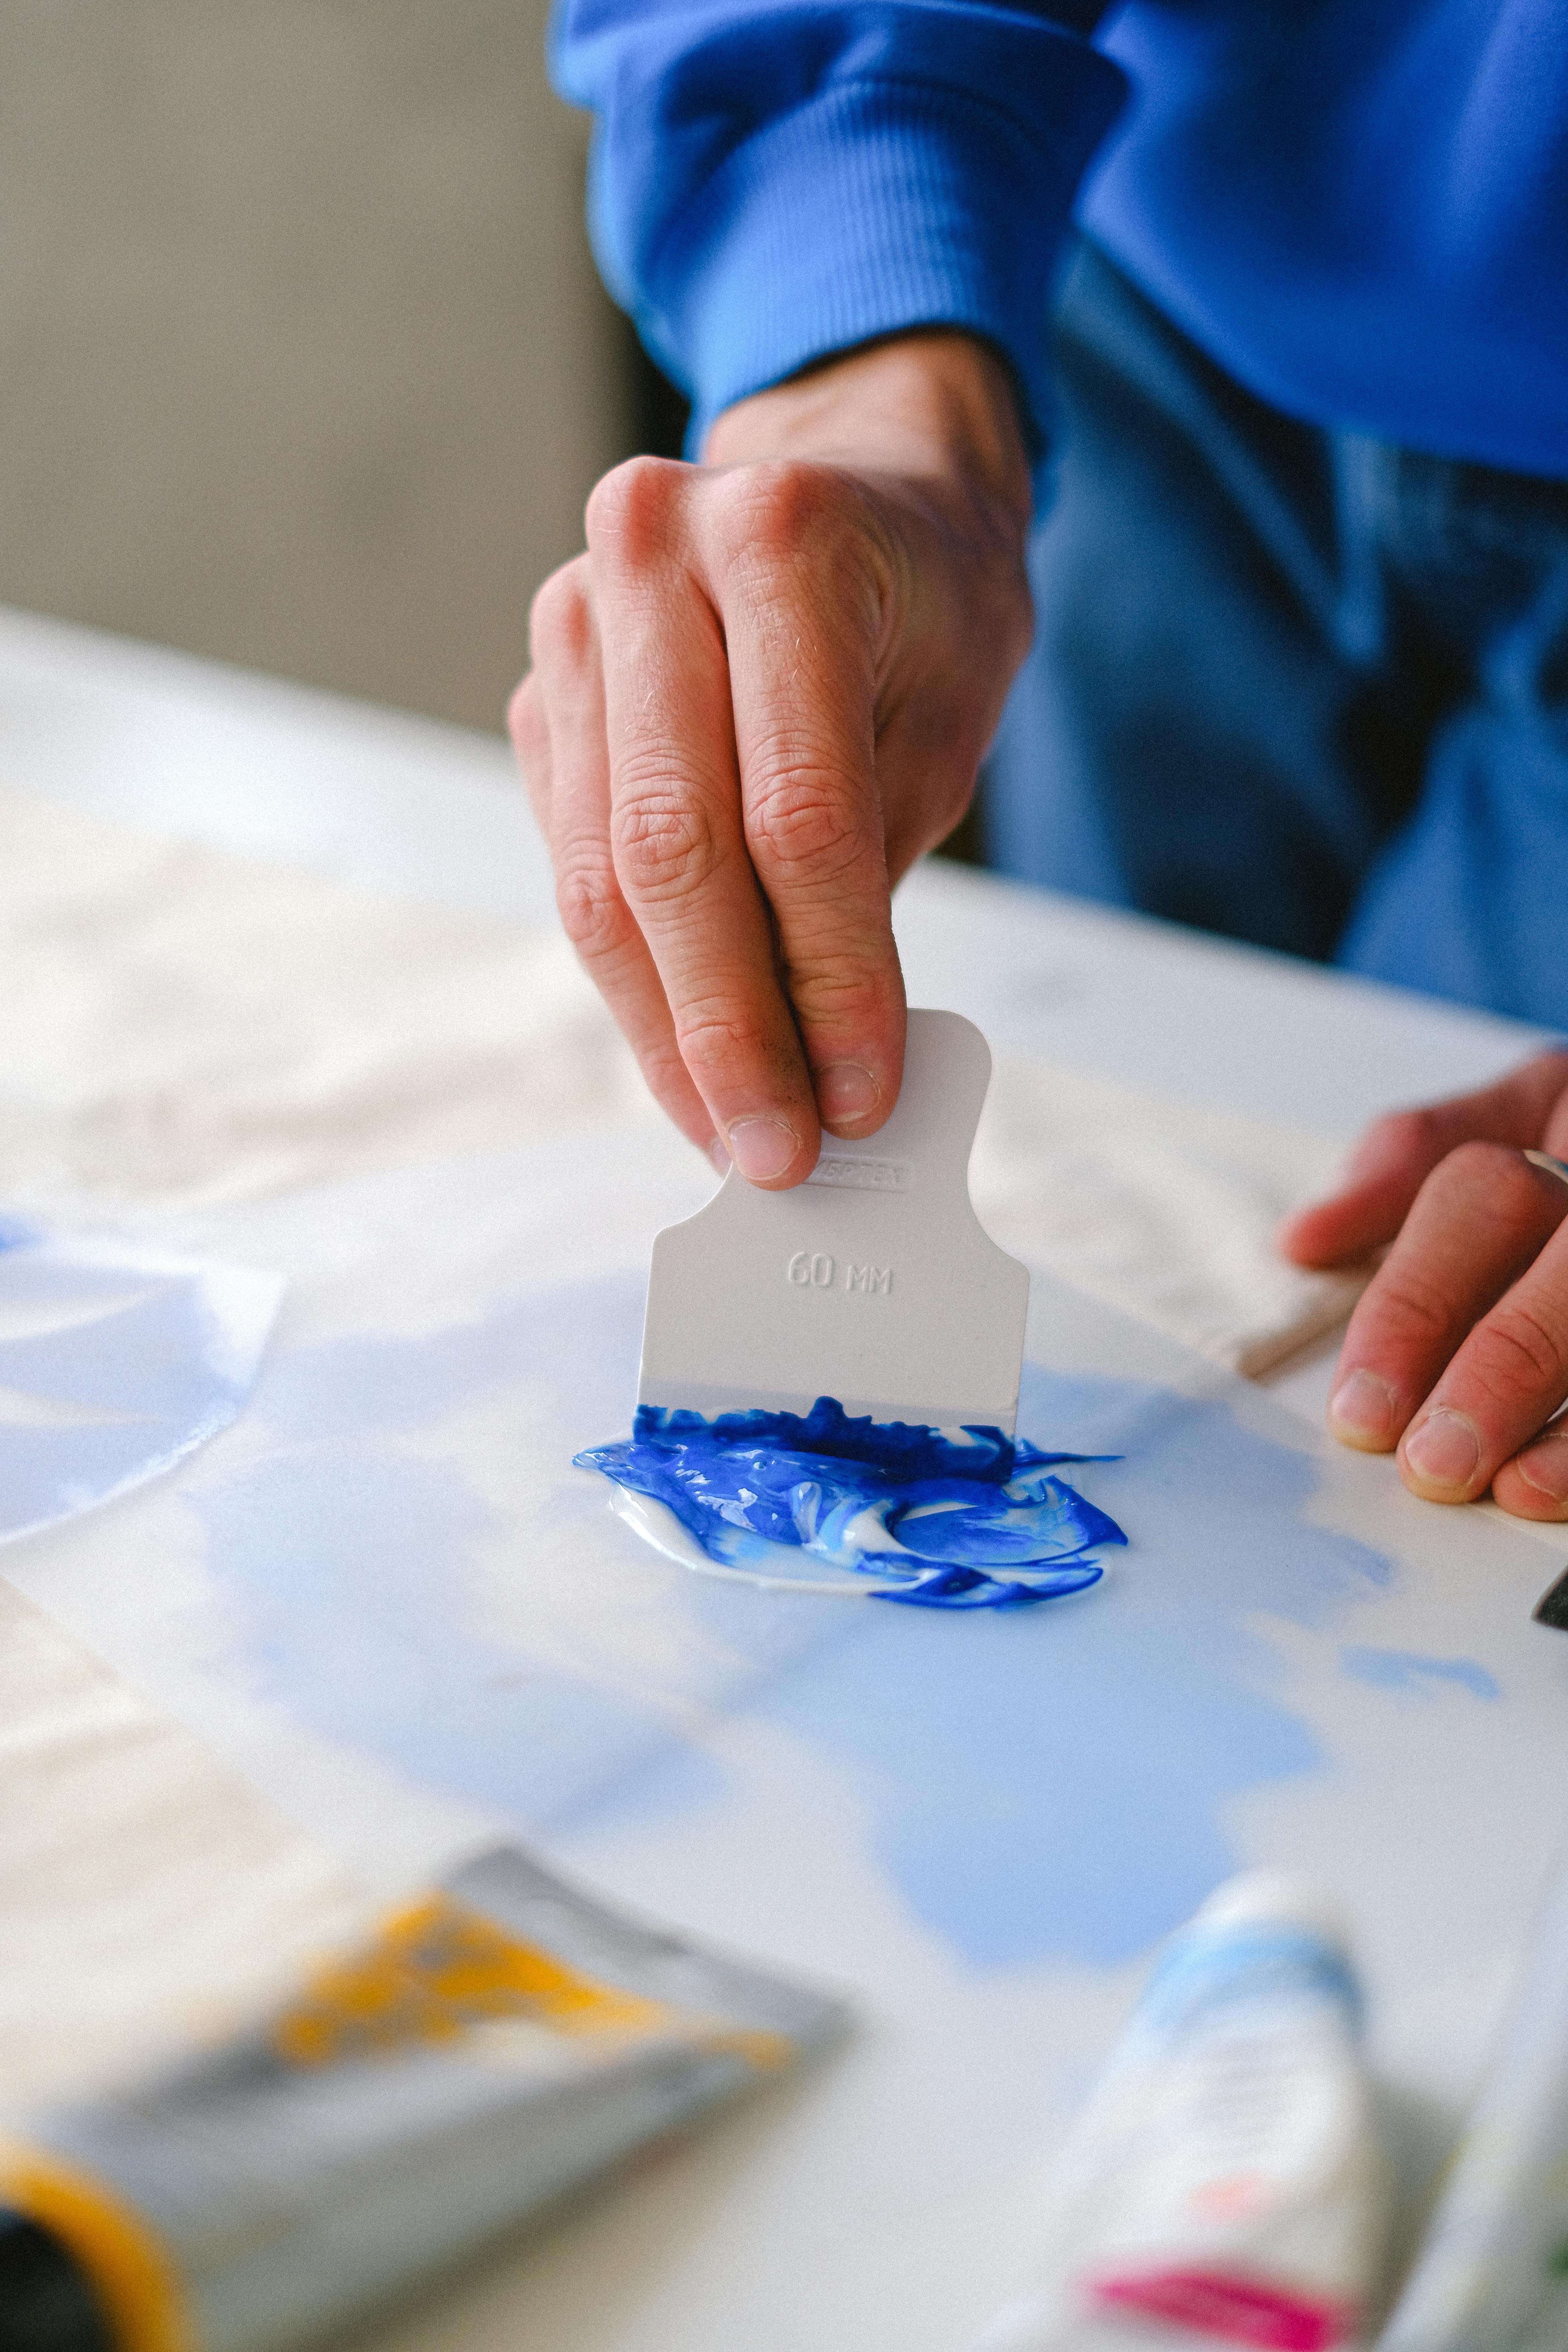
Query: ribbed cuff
{"x": 875, "y": 206}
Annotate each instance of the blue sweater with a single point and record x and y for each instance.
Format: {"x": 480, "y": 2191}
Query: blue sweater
{"x": 1359, "y": 207}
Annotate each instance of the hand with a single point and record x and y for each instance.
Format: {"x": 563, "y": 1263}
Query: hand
{"x": 759, "y": 694}
{"x": 1457, "y": 1353}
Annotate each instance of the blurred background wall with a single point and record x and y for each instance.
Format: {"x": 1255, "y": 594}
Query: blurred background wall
{"x": 302, "y": 358}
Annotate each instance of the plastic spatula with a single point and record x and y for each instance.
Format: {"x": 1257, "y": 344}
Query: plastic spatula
{"x": 873, "y": 1283}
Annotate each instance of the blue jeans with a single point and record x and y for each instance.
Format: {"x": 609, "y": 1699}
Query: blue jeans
{"x": 1298, "y": 686}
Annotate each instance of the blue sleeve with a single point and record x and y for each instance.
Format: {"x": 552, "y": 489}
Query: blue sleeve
{"x": 774, "y": 179}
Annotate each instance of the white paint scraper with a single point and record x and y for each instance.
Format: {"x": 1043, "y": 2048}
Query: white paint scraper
{"x": 873, "y": 1283}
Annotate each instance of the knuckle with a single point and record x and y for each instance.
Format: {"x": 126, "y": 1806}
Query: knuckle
{"x": 560, "y": 621}
{"x": 1518, "y": 1354}
{"x": 771, "y": 510}
{"x": 1483, "y": 1164}
{"x": 800, "y": 819}
{"x": 662, "y": 841}
{"x": 850, "y": 997}
{"x": 1409, "y": 1312}
{"x": 795, "y": 533}
{"x": 1478, "y": 1171}
{"x": 1495, "y": 1176}
{"x": 593, "y": 915}
{"x": 1405, "y": 1136}
{"x": 632, "y": 512}
{"x": 719, "y": 1034}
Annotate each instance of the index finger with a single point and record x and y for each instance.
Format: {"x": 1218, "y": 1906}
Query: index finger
{"x": 1500, "y": 1389}
{"x": 1442, "y": 1330}
{"x": 1394, "y": 1156}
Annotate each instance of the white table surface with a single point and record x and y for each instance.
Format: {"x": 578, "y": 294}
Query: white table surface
{"x": 159, "y": 738}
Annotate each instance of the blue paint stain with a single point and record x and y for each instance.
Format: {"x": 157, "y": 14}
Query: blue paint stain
{"x": 352, "y": 1570}
{"x": 1042, "y": 1783}
{"x": 1408, "y": 1670}
{"x": 942, "y": 1520}
{"x": 1056, "y": 1783}
{"x": 357, "y": 1573}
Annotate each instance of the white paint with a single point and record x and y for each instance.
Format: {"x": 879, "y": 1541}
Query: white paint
{"x": 657, "y": 1524}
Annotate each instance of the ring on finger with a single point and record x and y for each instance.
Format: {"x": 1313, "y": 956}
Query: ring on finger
{"x": 1558, "y": 1168}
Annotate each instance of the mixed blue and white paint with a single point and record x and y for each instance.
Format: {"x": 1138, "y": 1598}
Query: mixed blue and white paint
{"x": 394, "y": 1559}
{"x": 945, "y": 1519}
{"x": 1041, "y": 1783}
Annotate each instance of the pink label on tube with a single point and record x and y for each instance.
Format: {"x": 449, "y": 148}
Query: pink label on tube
{"x": 1235, "y": 2310}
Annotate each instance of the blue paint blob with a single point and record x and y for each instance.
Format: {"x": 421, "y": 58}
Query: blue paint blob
{"x": 1408, "y": 1670}
{"x": 944, "y": 1519}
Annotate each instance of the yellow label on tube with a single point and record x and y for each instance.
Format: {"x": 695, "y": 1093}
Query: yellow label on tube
{"x": 434, "y": 1970}
{"x": 130, "y": 2272}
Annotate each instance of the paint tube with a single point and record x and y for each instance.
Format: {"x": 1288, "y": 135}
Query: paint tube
{"x": 1492, "y": 2273}
{"x": 1225, "y": 2185}
{"x": 491, "y": 2047}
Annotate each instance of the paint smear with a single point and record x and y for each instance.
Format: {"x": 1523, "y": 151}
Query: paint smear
{"x": 1039, "y": 1783}
{"x": 1409, "y": 1670}
{"x": 963, "y": 1518}
{"x": 115, "y": 1362}
{"x": 1059, "y": 1782}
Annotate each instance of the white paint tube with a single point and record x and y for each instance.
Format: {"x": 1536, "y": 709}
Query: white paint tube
{"x": 1225, "y": 2184}
{"x": 493, "y": 2045}
{"x": 1492, "y": 2273}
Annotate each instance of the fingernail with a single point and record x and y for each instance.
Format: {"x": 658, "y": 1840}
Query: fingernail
{"x": 1364, "y": 1408}
{"x": 762, "y": 1149}
{"x": 1445, "y": 1450}
{"x": 718, "y": 1155}
{"x": 845, "y": 1090}
{"x": 1546, "y": 1467}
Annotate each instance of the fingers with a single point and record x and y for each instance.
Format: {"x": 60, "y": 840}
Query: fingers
{"x": 1394, "y": 1159}
{"x": 723, "y": 875}
{"x": 557, "y": 720}
{"x": 752, "y": 664}
{"x": 803, "y": 632}
{"x": 1506, "y": 1381}
{"x": 676, "y": 835}
{"x": 1534, "y": 1485}
{"x": 1458, "y": 1351}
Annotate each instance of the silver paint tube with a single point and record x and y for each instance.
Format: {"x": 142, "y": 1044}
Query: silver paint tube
{"x": 496, "y": 2044}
